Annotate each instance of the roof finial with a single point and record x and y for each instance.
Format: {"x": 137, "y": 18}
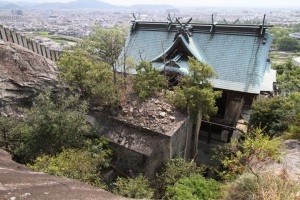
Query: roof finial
{"x": 184, "y": 29}
{"x": 262, "y": 30}
{"x": 135, "y": 20}
{"x": 170, "y": 20}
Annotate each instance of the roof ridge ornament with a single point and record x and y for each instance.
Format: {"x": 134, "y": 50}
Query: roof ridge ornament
{"x": 185, "y": 30}
{"x": 134, "y": 22}
{"x": 170, "y": 20}
{"x": 262, "y": 29}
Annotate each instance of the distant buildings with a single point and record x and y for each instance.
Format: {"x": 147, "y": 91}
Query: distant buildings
{"x": 296, "y": 61}
{"x": 295, "y": 35}
{"x": 16, "y": 12}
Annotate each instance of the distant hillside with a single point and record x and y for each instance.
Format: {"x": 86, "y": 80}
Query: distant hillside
{"x": 151, "y": 6}
{"x": 4, "y": 3}
{"x": 50, "y": 6}
{"x": 11, "y": 6}
{"x": 79, "y": 4}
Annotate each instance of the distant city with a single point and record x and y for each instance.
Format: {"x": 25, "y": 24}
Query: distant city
{"x": 76, "y": 19}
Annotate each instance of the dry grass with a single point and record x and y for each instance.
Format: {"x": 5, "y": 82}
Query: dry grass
{"x": 263, "y": 187}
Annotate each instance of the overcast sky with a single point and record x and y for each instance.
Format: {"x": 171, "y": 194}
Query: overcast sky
{"x": 192, "y": 3}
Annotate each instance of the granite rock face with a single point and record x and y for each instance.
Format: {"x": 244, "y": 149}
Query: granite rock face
{"x": 289, "y": 165}
{"x": 23, "y": 74}
{"x": 19, "y": 182}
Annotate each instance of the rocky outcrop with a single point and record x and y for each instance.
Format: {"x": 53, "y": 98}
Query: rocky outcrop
{"x": 23, "y": 74}
{"x": 19, "y": 182}
{"x": 289, "y": 165}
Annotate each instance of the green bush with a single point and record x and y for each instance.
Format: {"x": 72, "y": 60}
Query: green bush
{"x": 174, "y": 170}
{"x": 272, "y": 114}
{"x": 137, "y": 188}
{"x": 148, "y": 80}
{"x": 239, "y": 157}
{"x": 264, "y": 187}
{"x": 94, "y": 78}
{"x": 288, "y": 44}
{"x": 288, "y": 77}
{"x": 49, "y": 126}
{"x": 8, "y": 138}
{"x": 81, "y": 164}
{"x": 194, "y": 187}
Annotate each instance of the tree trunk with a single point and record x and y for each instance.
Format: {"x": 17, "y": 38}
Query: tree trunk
{"x": 197, "y": 130}
{"x": 188, "y": 137}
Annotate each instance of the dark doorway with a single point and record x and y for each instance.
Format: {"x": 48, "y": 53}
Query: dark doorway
{"x": 221, "y": 104}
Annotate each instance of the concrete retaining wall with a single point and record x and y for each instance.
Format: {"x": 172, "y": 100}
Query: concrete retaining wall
{"x": 8, "y": 35}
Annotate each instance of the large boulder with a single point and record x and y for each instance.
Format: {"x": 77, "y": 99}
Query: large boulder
{"x": 23, "y": 74}
{"x": 289, "y": 165}
{"x": 19, "y": 182}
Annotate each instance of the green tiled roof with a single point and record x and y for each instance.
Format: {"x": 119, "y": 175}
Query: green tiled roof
{"x": 239, "y": 60}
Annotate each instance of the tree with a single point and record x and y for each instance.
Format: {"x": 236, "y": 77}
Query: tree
{"x": 194, "y": 187}
{"x": 93, "y": 77}
{"x": 148, "y": 80}
{"x": 279, "y": 32}
{"x": 272, "y": 114}
{"x": 83, "y": 164}
{"x": 196, "y": 95}
{"x": 137, "y": 188}
{"x": 288, "y": 44}
{"x": 7, "y": 137}
{"x": 174, "y": 170}
{"x": 288, "y": 77}
{"x": 106, "y": 45}
{"x": 50, "y": 126}
{"x": 293, "y": 131}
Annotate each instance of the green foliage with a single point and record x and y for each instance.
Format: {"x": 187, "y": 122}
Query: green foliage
{"x": 81, "y": 164}
{"x": 265, "y": 186}
{"x": 272, "y": 114}
{"x": 105, "y": 44}
{"x": 288, "y": 44}
{"x": 293, "y": 131}
{"x": 148, "y": 80}
{"x": 279, "y": 32}
{"x": 51, "y": 126}
{"x": 93, "y": 77}
{"x": 193, "y": 188}
{"x": 136, "y": 188}
{"x": 8, "y": 138}
{"x": 239, "y": 157}
{"x": 174, "y": 170}
{"x": 195, "y": 92}
{"x": 288, "y": 77}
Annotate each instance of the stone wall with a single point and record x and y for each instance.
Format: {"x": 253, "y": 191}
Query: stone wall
{"x": 8, "y": 35}
{"x": 139, "y": 150}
